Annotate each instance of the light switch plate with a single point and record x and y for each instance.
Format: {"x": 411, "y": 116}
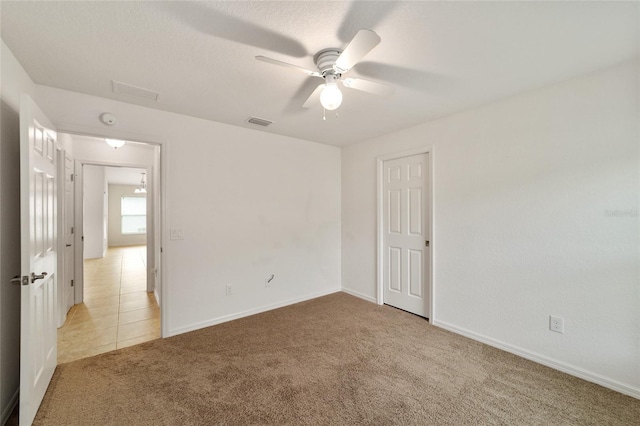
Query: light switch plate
{"x": 177, "y": 234}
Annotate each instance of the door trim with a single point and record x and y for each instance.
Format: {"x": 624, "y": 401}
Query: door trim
{"x": 152, "y": 247}
{"x": 61, "y": 212}
{"x": 78, "y": 232}
{"x": 160, "y": 190}
{"x": 159, "y": 210}
{"x": 380, "y": 224}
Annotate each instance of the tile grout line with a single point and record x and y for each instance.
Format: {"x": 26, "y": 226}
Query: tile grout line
{"x": 120, "y": 256}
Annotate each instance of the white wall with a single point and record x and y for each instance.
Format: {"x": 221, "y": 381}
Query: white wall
{"x": 14, "y": 81}
{"x": 250, "y": 204}
{"x": 523, "y": 188}
{"x": 116, "y": 238}
{"x": 94, "y": 207}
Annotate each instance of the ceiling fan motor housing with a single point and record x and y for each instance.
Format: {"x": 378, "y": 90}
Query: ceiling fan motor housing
{"x": 325, "y": 59}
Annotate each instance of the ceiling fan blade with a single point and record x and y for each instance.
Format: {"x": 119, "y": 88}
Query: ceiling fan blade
{"x": 423, "y": 81}
{"x": 214, "y": 19}
{"x": 287, "y": 65}
{"x": 362, "y": 43}
{"x": 365, "y": 14}
{"x": 314, "y": 98}
{"x": 368, "y": 86}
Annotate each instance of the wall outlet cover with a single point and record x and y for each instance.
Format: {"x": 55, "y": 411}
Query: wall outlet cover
{"x": 556, "y": 324}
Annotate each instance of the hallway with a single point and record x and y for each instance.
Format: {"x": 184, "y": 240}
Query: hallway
{"x": 117, "y": 311}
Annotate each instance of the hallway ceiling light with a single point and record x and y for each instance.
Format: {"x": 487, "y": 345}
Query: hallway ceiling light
{"x": 115, "y": 143}
{"x": 142, "y": 189}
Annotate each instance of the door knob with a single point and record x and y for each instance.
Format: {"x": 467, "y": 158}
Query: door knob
{"x": 35, "y": 277}
{"x": 20, "y": 280}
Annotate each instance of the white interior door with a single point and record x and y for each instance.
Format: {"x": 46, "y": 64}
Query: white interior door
{"x": 406, "y": 233}
{"x": 38, "y": 339}
{"x": 78, "y": 233}
{"x": 69, "y": 217}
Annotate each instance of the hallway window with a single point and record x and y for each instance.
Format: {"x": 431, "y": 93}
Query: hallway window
{"x": 134, "y": 215}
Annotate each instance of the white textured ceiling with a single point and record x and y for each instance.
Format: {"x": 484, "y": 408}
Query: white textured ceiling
{"x": 442, "y": 57}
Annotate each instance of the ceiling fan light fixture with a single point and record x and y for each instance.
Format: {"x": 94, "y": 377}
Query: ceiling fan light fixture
{"x": 331, "y": 96}
{"x": 332, "y": 64}
{"x": 115, "y": 143}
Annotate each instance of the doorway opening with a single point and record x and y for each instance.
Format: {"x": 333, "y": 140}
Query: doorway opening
{"x": 114, "y": 278}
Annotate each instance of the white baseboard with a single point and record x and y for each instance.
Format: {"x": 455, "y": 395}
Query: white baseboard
{"x": 155, "y": 293}
{"x": 360, "y": 295}
{"x": 541, "y": 359}
{"x": 6, "y": 411}
{"x": 249, "y": 312}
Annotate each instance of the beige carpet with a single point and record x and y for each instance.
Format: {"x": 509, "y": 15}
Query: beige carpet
{"x": 332, "y": 360}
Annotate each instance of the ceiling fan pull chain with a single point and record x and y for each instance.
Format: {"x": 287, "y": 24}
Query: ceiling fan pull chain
{"x": 324, "y": 114}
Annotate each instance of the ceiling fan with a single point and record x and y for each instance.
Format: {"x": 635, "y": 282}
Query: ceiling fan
{"x": 332, "y": 63}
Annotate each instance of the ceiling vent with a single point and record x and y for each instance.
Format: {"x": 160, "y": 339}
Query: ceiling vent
{"x": 259, "y": 121}
{"x": 135, "y": 91}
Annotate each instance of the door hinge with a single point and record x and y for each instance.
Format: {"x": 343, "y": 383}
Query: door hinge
{"x": 160, "y": 249}
{"x": 71, "y": 283}
{"x": 82, "y": 238}
{"x": 72, "y": 177}
{"x": 72, "y": 229}
{"x": 426, "y": 243}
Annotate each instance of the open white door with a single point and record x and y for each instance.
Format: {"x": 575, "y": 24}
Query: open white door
{"x": 69, "y": 223}
{"x": 38, "y": 339}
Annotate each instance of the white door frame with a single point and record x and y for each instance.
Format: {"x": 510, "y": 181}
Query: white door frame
{"x": 380, "y": 223}
{"x": 61, "y": 275}
{"x": 152, "y": 247}
{"x": 161, "y": 192}
{"x": 160, "y": 210}
{"x": 78, "y": 232}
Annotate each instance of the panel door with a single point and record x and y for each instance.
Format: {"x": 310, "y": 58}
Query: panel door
{"x": 69, "y": 215}
{"x": 38, "y": 339}
{"x": 406, "y": 227}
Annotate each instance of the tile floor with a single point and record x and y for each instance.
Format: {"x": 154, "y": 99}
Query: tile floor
{"x": 117, "y": 311}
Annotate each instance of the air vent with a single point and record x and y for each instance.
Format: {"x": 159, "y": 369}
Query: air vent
{"x": 135, "y": 91}
{"x": 259, "y": 121}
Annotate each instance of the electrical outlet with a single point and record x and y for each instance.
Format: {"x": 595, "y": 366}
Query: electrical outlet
{"x": 556, "y": 324}
{"x": 229, "y": 290}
